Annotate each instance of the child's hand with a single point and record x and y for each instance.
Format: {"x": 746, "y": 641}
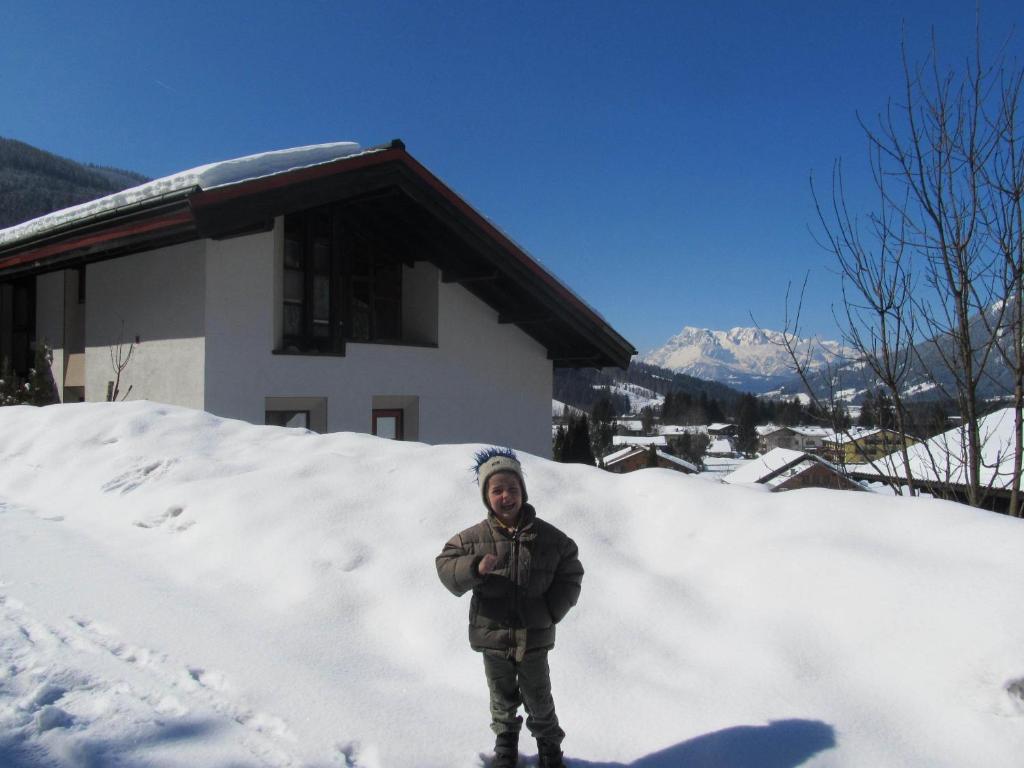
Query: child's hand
{"x": 487, "y": 564}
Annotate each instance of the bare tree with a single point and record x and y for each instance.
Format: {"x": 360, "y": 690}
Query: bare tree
{"x": 877, "y": 290}
{"x": 120, "y": 356}
{"x": 932, "y": 281}
{"x": 1004, "y": 190}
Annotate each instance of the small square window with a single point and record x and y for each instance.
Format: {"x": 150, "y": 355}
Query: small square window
{"x": 387, "y": 423}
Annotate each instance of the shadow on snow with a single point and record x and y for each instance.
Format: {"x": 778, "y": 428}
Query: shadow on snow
{"x": 780, "y": 744}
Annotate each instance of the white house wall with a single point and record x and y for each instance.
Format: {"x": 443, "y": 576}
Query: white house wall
{"x": 483, "y": 382}
{"x": 158, "y": 298}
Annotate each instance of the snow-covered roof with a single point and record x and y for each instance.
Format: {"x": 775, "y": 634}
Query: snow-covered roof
{"x": 203, "y": 177}
{"x": 820, "y": 432}
{"x": 854, "y": 434}
{"x": 942, "y": 459}
{"x": 619, "y": 454}
{"x": 637, "y": 440}
{"x": 676, "y": 429}
{"x": 720, "y": 445}
{"x": 756, "y": 469}
{"x": 631, "y": 450}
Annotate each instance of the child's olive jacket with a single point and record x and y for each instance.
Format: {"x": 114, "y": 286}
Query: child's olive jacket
{"x": 534, "y": 584}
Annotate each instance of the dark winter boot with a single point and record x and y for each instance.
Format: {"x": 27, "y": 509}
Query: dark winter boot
{"x": 506, "y": 750}
{"x": 550, "y": 754}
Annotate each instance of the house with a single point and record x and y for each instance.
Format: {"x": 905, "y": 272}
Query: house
{"x": 332, "y": 287}
{"x": 783, "y": 469}
{"x": 629, "y": 427}
{"x": 634, "y": 457}
{"x": 721, "y": 429}
{"x": 861, "y": 445}
{"x": 939, "y": 465}
{"x": 793, "y": 438}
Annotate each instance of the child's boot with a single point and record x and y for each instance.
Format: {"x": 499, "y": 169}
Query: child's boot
{"x": 550, "y": 754}
{"x": 506, "y": 750}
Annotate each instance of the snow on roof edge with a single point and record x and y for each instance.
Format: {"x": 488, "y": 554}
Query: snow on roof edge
{"x": 205, "y": 177}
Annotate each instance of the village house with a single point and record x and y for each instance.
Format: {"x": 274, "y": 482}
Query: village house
{"x": 634, "y": 457}
{"x": 862, "y": 445}
{"x": 783, "y": 469}
{"x": 330, "y": 287}
{"x": 792, "y": 438}
{"x": 939, "y": 465}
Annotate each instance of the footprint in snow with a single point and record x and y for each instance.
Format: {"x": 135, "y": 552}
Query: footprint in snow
{"x": 133, "y": 478}
{"x": 1015, "y": 688}
{"x": 169, "y": 519}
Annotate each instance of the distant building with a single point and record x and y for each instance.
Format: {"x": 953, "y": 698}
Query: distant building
{"x": 862, "y": 445}
{"x": 939, "y": 465}
{"x": 634, "y": 457}
{"x": 782, "y": 469}
{"x": 793, "y": 438}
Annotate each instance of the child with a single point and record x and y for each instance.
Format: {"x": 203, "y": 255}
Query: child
{"x": 525, "y": 575}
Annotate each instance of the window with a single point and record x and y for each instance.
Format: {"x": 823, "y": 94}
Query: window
{"x": 299, "y": 419}
{"x": 18, "y": 323}
{"x": 337, "y": 285}
{"x": 311, "y": 318}
{"x": 387, "y": 423}
{"x": 302, "y": 412}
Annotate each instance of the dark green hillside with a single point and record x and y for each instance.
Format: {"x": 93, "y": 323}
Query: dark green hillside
{"x": 580, "y": 386}
{"x": 34, "y": 182}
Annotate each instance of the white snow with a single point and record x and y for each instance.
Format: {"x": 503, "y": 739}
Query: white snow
{"x": 206, "y": 177}
{"x": 182, "y": 590}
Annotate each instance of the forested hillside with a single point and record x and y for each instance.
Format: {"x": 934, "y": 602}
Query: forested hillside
{"x": 34, "y": 182}
{"x": 582, "y": 387}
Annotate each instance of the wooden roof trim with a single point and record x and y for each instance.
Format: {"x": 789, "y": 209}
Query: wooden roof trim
{"x": 510, "y": 247}
{"x": 178, "y": 219}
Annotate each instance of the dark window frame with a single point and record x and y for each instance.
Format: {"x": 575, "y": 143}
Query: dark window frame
{"x": 363, "y": 282}
{"x": 397, "y": 413}
{"x": 18, "y": 324}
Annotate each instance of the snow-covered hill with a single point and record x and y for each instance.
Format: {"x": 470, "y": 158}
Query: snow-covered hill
{"x": 749, "y": 359}
{"x": 182, "y": 590}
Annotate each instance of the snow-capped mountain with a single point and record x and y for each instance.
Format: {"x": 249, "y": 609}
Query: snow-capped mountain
{"x": 749, "y": 359}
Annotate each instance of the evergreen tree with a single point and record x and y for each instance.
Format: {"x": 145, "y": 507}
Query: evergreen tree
{"x": 746, "y": 425}
{"x": 867, "y": 410}
{"x": 558, "y": 448}
{"x": 602, "y": 426}
{"x": 647, "y": 420}
{"x": 574, "y": 446}
{"x": 652, "y": 456}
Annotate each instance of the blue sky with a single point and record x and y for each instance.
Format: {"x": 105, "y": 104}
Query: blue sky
{"x": 655, "y": 156}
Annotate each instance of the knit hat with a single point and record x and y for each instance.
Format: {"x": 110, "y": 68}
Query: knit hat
{"x": 494, "y": 460}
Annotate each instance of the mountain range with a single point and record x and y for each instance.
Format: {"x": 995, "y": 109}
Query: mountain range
{"x": 748, "y": 359}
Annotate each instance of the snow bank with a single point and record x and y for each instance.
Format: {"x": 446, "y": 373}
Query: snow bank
{"x": 182, "y": 590}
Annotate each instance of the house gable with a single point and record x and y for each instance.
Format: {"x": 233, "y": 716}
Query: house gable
{"x": 384, "y": 192}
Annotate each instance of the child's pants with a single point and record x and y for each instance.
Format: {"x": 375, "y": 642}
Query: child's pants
{"x": 527, "y": 682}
